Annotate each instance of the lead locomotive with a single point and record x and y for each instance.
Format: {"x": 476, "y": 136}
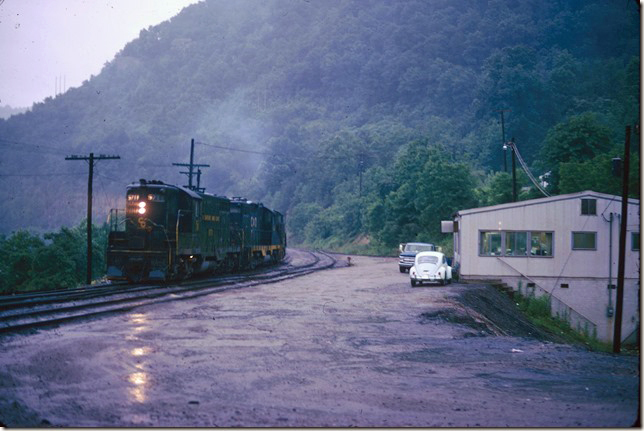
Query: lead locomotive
{"x": 170, "y": 232}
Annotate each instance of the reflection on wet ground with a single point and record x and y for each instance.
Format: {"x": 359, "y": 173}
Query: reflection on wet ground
{"x": 140, "y": 351}
{"x": 140, "y": 379}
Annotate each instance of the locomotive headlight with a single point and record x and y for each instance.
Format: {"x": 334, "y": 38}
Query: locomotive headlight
{"x": 141, "y": 207}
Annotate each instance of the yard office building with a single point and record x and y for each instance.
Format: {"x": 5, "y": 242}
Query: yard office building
{"x": 564, "y": 246}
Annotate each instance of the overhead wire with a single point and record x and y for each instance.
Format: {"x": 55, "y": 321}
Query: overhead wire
{"x": 108, "y": 202}
{"x": 363, "y": 152}
{"x": 241, "y": 150}
{"x": 30, "y": 147}
{"x": 53, "y": 151}
{"x": 526, "y": 170}
{"x": 44, "y": 175}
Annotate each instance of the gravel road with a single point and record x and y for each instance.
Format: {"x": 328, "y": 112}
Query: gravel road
{"x": 355, "y": 346}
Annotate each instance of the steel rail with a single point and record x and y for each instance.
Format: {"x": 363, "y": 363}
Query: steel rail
{"x": 29, "y": 317}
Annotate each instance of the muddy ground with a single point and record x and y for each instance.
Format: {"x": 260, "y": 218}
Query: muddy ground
{"x": 355, "y": 346}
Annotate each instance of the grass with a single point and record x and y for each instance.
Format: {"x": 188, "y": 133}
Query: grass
{"x": 538, "y": 310}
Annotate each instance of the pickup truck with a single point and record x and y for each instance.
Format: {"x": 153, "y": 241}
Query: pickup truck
{"x": 408, "y": 253}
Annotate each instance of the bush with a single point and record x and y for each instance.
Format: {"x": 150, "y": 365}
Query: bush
{"x": 539, "y": 307}
{"x": 58, "y": 260}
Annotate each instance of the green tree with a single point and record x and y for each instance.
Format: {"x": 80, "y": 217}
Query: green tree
{"x": 18, "y": 253}
{"x": 431, "y": 188}
{"x": 511, "y": 80}
{"x": 596, "y": 174}
{"x": 578, "y": 139}
{"x": 298, "y": 219}
{"x": 497, "y": 189}
{"x": 444, "y": 188}
{"x": 52, "y": 268}
{"x": 56, "y": 261}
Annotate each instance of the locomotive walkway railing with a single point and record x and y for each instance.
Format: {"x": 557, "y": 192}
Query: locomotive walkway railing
{"x": 116, "y": 220}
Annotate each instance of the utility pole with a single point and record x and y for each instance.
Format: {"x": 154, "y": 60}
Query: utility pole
{"x": 619, "y": 305}
{"x": 91, "y": 159}
{"x": 199, "y": 189}
{"x": 191, "y": 168}
{"x": 514, "y": 173}
{"x": 505, "y": 159}
{"x": 360, "y": 167}
{"x": 513, "y": 148}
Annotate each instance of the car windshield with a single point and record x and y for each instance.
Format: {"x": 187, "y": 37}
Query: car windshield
{"x": 428, "y": 259}
{"x": 418, "y": 247}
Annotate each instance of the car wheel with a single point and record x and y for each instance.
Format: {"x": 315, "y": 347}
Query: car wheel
{"x": 401, "y": 269}
{"x": 442, "y": 282}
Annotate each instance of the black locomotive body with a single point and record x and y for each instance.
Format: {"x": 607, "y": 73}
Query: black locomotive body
{"x": 170, "y": 232}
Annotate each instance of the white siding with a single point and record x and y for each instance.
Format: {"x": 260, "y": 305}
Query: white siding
{"x": 585, "y": 271}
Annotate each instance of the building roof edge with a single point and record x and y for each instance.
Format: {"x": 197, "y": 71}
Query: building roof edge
{"x": 545, "y": 200}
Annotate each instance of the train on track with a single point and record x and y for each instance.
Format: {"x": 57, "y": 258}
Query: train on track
{"x": 169, "y": 232}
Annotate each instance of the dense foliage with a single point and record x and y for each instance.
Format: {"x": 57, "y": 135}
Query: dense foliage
{"x": 53, "y": 261}
{"x": 362, "y": 120}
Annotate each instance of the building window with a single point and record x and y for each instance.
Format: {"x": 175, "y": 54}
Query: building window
{"x": 502, "y": 243}
{"x": 490, "y": 243}
{"x": 516, "y": 243}
{"x": 635, "y": 241}
{"x": 584, "y": 241}
{"x": 589, "y": 207}
{"x": 541, "y": 244}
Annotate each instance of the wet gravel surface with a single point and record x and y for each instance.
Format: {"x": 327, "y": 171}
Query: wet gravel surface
{"x": 355, "y": 346}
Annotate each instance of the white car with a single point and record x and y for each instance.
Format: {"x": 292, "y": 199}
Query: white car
{"x": 430, "y": 266}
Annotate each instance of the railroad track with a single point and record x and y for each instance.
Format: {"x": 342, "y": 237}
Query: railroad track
{"x": 25, "y": 312}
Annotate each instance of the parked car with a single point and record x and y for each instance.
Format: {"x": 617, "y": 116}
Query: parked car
{"x": 430, "y": 266}
{"x": 408, "y": 253}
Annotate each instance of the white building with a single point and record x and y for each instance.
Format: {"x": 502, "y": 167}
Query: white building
{"x": 566, "y": 246}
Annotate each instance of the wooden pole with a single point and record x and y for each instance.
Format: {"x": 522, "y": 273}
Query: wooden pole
{"x": 617, "y": 336}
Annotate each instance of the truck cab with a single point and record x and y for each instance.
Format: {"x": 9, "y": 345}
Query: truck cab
{"x": 408, "y": 253}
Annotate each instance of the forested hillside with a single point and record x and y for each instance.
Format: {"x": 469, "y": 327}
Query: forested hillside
{"x": 359, "y": 119}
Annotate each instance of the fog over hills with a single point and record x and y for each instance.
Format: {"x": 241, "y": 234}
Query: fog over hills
{"x": 311, "y": 106}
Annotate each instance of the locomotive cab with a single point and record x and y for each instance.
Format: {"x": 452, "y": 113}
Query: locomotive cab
{"x": 157, "y": 215}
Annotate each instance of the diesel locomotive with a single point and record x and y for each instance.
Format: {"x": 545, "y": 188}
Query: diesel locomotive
{"x": 170, "y": 232}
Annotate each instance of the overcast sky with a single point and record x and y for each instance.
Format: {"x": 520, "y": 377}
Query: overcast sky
{"x": 51, "y": 45}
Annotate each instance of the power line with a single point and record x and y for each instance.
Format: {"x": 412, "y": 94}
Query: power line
{"x": 274, "y": 154}
{"x": 40, "y": 148}
{"x": 42, "y": 175}
{"x": 241, "y": 150}
{"x": 515, "y": 151}
{"x": 114, "y": 180}
{"x": 108, "y": 201}
{"x": 505, "y": 159}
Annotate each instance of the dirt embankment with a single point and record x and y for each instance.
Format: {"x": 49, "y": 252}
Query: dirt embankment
{"x": 502, "y": 314}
